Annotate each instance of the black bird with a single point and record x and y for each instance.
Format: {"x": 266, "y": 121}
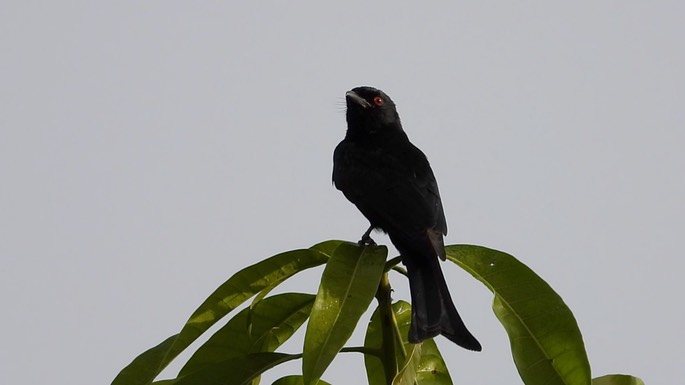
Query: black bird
{"x": 392, "y": 184}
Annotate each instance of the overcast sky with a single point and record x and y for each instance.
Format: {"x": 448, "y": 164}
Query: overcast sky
{"x": 149, "y": 150}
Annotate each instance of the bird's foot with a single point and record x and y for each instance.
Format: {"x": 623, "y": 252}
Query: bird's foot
{"x": 366, "y": 238}
{"x": 366, "y": 241}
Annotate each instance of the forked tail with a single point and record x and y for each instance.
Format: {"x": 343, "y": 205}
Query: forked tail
{"x": 433, "y": 311}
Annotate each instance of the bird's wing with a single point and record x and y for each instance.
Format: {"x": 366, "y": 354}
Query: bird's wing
{"x": 396, "y": 192}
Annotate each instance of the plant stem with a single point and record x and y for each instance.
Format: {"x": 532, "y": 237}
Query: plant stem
{"x": 388, "y": 328}
{"x": 391, "y": 264}
{"x": 361, "y": 349}
{"x": 401, "y": 270}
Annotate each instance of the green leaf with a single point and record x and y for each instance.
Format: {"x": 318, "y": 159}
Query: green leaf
{"x": 239, "y": 370}
{"x": 545, "y": 339}
{"x": 273, "y": 321}
{"x": 327, "y": 247}
{"x": 146, "y": 366}
{"x": 407, "y": 373}
{"x": 277, "y": 318}
{"x": 617, "y": 379}
{"x": 228, "y": 296}
{"x": 431, "y": 368}
{"x": 165, "y": 382}
{"x": 348, "y": 285}
{"x": 373, "y": 341}
{"x": 295, "y": 380}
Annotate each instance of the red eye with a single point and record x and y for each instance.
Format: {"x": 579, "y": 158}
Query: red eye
{"x": 378, "y": 101}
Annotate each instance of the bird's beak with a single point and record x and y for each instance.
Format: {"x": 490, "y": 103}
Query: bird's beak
{"x": 350, "y": 95}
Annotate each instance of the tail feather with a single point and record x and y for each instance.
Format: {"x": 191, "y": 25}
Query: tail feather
{"x": 433, "y": 311}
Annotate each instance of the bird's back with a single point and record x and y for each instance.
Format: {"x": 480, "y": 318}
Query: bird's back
{"x": 392, "y": 184}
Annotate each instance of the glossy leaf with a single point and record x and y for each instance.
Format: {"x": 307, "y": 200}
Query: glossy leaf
{"x": 276, "y": 320}
{"x": 273, "y": 321}
{"x": 228, "y": 296}
{"x": 348, "y": 285}
{"x": 146, "y": 366}
{"x": 328, "y": 247}
{"x": 295, "y": 380}
{"x": 617, "y": 379}
{"x": 407, "y": 372}
{"x": 431, "y": 368}
{"x": 240, "y": 370}
{"x": 545, "y": 339}
{"x": 373, "y": 341}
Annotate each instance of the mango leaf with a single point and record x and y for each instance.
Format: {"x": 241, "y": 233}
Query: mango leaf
{"x": 327, "y": 247}
{"x": 240, "y": 287}
{"x": 348, "y": 285}
{"x": 617, "y": 379}
{"x": 146, "y": 366}
{"x": 273, "y": 321}
{"x": 276, "y": 320}
{"x": 431, "y": 368}
{"x": 373, "y": 342}
{"x": 407, "y": 373}
{"x": 295, "y": 380}
{"x": 165, "y": 382}
{"x": 240, "y": 370}
{"x": 545, "y": 339}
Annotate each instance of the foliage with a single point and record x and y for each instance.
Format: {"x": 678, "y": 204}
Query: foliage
{"x": 546, "y": 343}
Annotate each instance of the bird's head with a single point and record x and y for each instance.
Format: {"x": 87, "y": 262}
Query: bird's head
{"x": 370, "y": 110}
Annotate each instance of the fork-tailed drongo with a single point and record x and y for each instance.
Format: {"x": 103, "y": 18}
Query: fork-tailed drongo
{"x": 392, "y": 184}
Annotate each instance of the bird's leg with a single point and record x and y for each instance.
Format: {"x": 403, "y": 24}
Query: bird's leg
{"x": 366, "y": 238}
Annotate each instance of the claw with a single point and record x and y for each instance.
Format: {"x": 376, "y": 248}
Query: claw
{"x": 367, "y": 241}
{"x": 366, "y": 238}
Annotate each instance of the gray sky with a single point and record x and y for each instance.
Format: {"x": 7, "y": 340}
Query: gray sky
{"x": 149, "y": 150}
